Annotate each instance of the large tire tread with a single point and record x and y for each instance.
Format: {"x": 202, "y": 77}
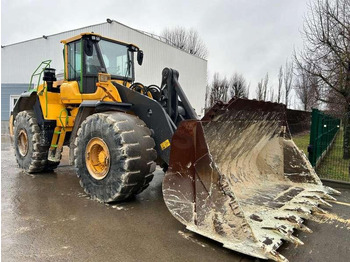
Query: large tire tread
{"x": 132, "y": 171}
{"x": 36, "y": 159}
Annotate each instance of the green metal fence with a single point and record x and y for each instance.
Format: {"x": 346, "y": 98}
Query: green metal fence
{"x": 324, "y": 129}
{"x": 334, "y": 166}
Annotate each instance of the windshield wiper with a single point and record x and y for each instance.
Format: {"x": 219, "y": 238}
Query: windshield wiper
{"x": 127, "y": 73}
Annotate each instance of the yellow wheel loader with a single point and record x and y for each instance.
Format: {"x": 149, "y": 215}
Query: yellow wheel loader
{"x": 234, "y": 176}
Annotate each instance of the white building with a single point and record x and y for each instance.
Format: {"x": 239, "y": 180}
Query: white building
{"x": 19, "y": 61}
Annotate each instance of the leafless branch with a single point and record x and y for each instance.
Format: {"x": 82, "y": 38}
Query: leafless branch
{"x": 187, "y": 40}
{"x": 238, "y": 86}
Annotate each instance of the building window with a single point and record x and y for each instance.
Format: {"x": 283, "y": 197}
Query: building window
{"x": 13, "y": 100}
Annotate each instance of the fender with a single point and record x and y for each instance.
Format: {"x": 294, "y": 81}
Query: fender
{"x": 87, "y": 108}
{"x": 30, "y": 101}
{"x": 27, "y": 101}
{"x": 154, "y": 115}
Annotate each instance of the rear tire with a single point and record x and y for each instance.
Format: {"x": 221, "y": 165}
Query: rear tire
{"x": 114, "y": 156}
{"x": 31, "y": 154}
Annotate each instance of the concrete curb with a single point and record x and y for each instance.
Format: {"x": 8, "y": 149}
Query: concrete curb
{"x": 336, "y": 183}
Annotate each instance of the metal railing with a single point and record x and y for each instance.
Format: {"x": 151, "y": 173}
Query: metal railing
{"x": 37, "y": 74}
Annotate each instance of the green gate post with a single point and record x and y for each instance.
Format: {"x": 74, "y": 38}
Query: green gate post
{"x": 313, "y": 134}
{"x": 319, "y": 135}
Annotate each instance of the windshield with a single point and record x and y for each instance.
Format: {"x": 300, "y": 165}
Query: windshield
{"x": 116, "y": 59}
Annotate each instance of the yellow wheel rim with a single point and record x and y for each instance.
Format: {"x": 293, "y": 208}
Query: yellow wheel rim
{"x": 22, "y": 141}
{"x": 97, "y": 158}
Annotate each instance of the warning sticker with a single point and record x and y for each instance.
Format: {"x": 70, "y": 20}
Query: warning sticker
{"x": 165, "y": 144}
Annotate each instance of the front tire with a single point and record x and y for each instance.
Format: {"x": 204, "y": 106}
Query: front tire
{"x": 114, "y": 156}
{"x": 31, "y": 154}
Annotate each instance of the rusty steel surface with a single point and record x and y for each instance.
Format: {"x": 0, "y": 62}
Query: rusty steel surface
{"x": 237, "y": 177}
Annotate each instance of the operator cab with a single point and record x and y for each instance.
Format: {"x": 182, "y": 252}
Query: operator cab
{"x": 88, "y": 54}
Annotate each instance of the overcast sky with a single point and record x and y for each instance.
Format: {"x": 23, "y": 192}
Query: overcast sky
{"x": 251, "y": 37}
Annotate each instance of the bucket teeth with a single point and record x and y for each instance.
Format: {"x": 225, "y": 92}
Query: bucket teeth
{"x": 324, "y": 195}
{"x": 295, "y": 240}
{"x": 314, "y": 206}
{"x": 329, "y": 197}
{"x": 318, "y": 199}
{"x": 286, "y": 235}
{"x": 302, "y": 211}
{"x": 332, "y": 190}
{"x": 304, "y": 228}
{"x": 277, "y": 256}
{"x": 296, "y": 222}
{"x": 325, "y": 203}
{"x": 292, "y": 219}
{"x": 319, "y": 210}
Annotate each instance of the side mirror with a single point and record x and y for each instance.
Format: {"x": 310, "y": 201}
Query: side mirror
{"x": 139, "y": 57}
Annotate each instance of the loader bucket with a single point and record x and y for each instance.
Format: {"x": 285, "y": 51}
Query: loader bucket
{"x": 237, "y": 177}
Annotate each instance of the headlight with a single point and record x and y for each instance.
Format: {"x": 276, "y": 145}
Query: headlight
{"x": 103, "y": 77}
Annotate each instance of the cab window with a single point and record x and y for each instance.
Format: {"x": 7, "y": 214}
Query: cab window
{"x": 92, "y": 62}
{"x": 117, "y": 59}
{"x": 74, "y": 60}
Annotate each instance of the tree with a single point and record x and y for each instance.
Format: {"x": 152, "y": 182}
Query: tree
{"x": 238, "y": 86}
{"x": 272, "y": 95}
{"x": 280, "y": 84}
{"x": 187, "y": 40}
{"x": 207, "y": 96}
{"x": 266, "y": 81}
{"x": 327, "y": 53}
{"x": 218, "y": 89}
{"x": 334, "y": 107}
{"x": 306, "y": 88}
{"x": 207, "y": 93}
{"x": 248, "y": 90}
{"x": 261, "y": 91}
{"x": 176, "y": 37}
{"x": 288, "y": 80}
